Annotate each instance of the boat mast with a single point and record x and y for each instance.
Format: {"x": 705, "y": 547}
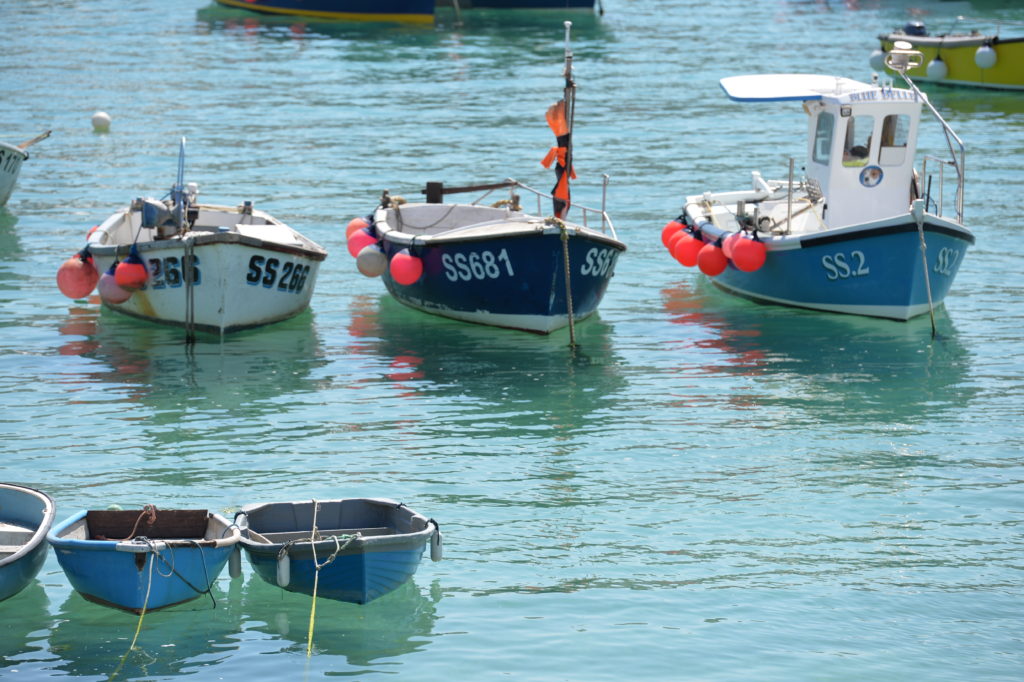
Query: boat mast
{"x": 560, "y": 118}
{"x": 570, "y": 111}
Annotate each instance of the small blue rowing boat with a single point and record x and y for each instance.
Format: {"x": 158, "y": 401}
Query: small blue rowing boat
{"x": 143, "y": 560}
{"x": 25, "y": 517}
{"x": 862, "y": 232}
{"x": 362, "y": 548}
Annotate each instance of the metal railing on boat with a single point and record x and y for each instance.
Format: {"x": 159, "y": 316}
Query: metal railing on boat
{"x": 435, "y": 191}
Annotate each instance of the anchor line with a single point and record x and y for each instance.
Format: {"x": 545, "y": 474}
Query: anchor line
{"x": 190, "y": 292}
{"x": 568, "y": 283}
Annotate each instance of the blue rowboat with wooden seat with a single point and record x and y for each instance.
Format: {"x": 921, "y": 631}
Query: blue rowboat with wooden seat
{"x": 362, "y": 548}
{"x": 143, "y": 560}
{"x": 26, "y": 515}
{"x": 405, "y": 11}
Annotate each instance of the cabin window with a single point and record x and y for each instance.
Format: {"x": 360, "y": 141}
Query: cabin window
{"x": 895, "y": 133}
{"x": 858, "y": 140}
{"x": 823, "y": 137}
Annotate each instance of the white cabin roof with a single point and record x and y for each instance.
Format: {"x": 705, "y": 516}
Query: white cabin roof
{"x": 779, "y": 87}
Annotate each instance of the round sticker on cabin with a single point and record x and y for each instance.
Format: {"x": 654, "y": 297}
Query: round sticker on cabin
{"x": 871, "y": 176}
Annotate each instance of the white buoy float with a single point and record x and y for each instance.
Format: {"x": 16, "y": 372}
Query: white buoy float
{"x": 937, "y": 69}
{"x": 284, "y": 569}
{"x": 101, "y": 122}
{"x": 985, "y": 57}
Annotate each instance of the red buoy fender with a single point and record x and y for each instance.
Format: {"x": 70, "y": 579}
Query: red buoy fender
{"x": 711, "y": 260}
{"x": 749, "y": 254}
{"x": 686, "y": 249}
{"x": 405, "y": 268}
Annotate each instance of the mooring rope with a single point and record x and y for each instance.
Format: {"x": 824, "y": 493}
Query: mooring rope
{"x": 138, "y": 627}
{"x": 190, "y": 295}
{"x": 568, "y": 282}
{"x": 338, "y": 547}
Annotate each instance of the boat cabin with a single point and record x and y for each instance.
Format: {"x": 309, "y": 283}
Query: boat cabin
{"x": 861, "y": 141}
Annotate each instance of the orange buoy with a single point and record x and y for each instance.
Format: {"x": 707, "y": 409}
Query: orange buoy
{"x": 77, "y": 277}
{"x": 711, "y": 260}
{"x": 359, "y": 240}
{"x": 405, "y": 268}
{"x": 109, "y": 290}
{"x": 131, "y": 273}
{"x": 749, "y": 254}
{"x": 354, "y": 225}
{"x": 686, "y": 249}
{"x": 671, "y": 228}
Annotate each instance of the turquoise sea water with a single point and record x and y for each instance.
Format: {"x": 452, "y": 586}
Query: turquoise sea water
{"x": 706, "y": 490}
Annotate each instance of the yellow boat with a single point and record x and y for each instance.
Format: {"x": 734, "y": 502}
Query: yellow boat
{"x": 968, "y": 57}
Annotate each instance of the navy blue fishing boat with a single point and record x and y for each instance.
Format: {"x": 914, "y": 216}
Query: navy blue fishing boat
{"x": 352, "y": 550}
{"x": 26, "y": 515}
{"x": 406, "y": 11}
{"x": 495, "y": 264}
{"x": 862, "y": 233}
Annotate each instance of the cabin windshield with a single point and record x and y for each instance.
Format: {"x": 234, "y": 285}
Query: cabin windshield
{"x": 895, "y": 133}
{"x": 823, "y": 138}
{"x": 858, "y": 140}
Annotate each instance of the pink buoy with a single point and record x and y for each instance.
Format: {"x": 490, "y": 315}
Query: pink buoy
{"x": 77, "y": 277}
{"x": 109, "y": 290}
{"x": 729, "y": 243}
{"x": 354, "y": 225}
{"x": 711, "y": 260}
{"x": 359, "y": 240}
{"x": 749, "y": 254}
{"x": 686, "y": 250}
{"x": 405, "y": 268}
{"x": 670, "y": 229}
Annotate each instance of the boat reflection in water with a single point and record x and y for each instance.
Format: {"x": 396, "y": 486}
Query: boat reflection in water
{"x": 22, "y": 615}
{"x": 422, "y": 354}
{"x": 154, "y": 364}
{"x": 88, "y": 639}
{"x": 398, "y": 623}
{"x": 839, "y": 367}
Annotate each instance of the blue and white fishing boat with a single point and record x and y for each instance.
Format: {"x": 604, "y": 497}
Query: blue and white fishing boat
{"x": 404, "y": 11}
{"x": 26, "y": 515}
{"x": 143, "y": 560}
{"x": 862, "y": 232}
{"x": 362, "y": 548}
{"x": 495, "y": 264}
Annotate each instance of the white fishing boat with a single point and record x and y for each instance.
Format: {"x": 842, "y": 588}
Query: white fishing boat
{"x": 199, "y": 266}
{"x": 863, "y": 232}
{"x": 11, "y": 158}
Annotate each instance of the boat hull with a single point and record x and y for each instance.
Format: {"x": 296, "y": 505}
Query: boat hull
{"x": 873, "y": 270}
{"x": 515, "y": 281}
{"x": 526, "y": 4}
{"x": 26, "y": 516}
{"x": 239, "y": 283}
{"x": 11, "y": 159}
{"x": 127, "y": 575}
{"x": 406, "y": 11}
{"x": 958, "y": 54}
{"x": 386, "y": 555}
